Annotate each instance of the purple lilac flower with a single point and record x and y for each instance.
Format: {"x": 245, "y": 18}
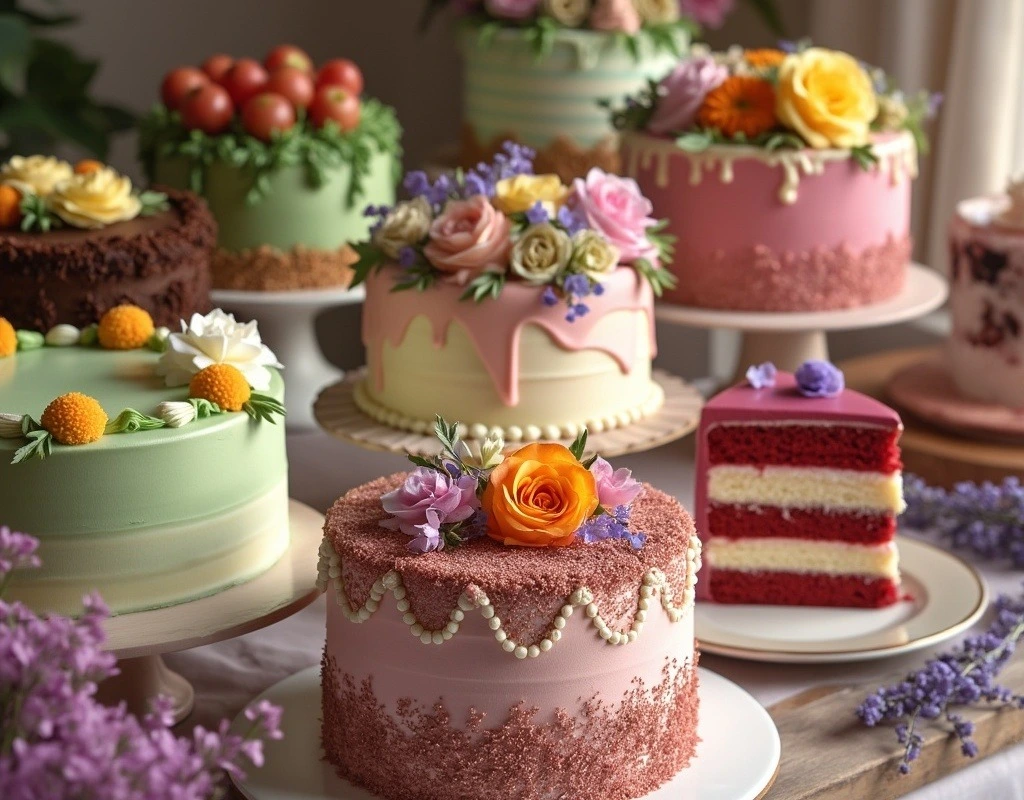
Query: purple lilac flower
{"x": 428, "y": 500}
{"x": 536, "y": 214}
{"x": 549, "y": 298}
{"x": 935, "y": 100}
{"x": 17, "y": 551}
{"x": 407, "y": 256}
{"x": 613, "y": 525}
{"x": 577, "y": 285}
{"x": 761, "y": 376}
{"x": 965, "y": 676}
{"x": 789, "y": 46}
{"x": 572, "y": 219}
{"x": 817, "y": 378}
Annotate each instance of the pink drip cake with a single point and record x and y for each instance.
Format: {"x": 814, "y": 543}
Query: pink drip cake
{"x": 986, "y": 298}
{"x": 777, "y": 201}
{"x": 513, "y": 302}
{"x": 798, "y": 489}
{"x": 494, "y": 657}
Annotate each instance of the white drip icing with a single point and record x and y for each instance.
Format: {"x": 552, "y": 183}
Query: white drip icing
{"x": 897, "y": 160}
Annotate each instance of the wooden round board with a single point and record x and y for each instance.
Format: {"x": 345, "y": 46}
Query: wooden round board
{"x": 940, "y": 457}
{"x": 337, "y": 412}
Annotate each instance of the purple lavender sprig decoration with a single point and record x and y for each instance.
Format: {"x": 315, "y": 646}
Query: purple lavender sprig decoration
{"x": 986, "y": 519}
{"x": 58, "y": 741}
{"x": 963, "y": 677}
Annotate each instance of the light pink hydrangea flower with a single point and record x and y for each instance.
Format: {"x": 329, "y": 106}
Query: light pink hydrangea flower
{"x": 615, "y": 487}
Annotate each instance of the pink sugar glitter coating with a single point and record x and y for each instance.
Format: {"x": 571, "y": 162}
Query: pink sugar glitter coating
{"x": 525, "y": 585}
{"x": 624, "y": 751}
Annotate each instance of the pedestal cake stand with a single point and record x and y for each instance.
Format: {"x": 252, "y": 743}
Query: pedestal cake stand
{"x": 287, "y": 324}
{"x": 139, "y": 640}
{"x": 729, "y": 718}
{"x": 338, "y": 414}
{"x": 789, "y": 338}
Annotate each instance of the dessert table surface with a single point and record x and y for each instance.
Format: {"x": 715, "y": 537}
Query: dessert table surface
{"x": 228, "y": 674}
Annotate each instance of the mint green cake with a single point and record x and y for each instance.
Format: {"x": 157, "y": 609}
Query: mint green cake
{"x": 177, "y": 499}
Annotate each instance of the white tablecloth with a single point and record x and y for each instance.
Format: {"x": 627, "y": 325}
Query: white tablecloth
{"x": 227, "y": 675}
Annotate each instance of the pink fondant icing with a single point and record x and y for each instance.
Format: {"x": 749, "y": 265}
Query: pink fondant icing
{"x": 495, "y": 325}
{"x": 782, "y": 402}
{"x": 844, "y": 242}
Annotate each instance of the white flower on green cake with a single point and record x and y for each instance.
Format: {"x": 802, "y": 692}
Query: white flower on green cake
{"x": 593, "y": 255}
{"x": 35, "y": 174}
{"x": 571, "y": 13}
{"x": 177, "y": 414}
{"x": 217, "y": 339}
{"x": 407, "y": 224}
{"x": 11, "y": 426}
{"x": 541, "y": 253}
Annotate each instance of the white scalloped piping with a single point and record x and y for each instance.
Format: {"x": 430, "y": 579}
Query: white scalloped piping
{"x": 654, "y": 584}
{"x": 511, "y": 433}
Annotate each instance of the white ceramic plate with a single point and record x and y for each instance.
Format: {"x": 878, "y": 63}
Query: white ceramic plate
{"x": 731, "y": 722}
{"x": 946, "y": 596}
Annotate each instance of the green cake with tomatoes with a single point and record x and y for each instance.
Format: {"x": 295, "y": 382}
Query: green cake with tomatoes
{"x": 287, "y": 156}
{"x": 150, "y": 464}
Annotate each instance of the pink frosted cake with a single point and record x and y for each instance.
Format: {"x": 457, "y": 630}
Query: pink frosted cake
{"x": 512, "y": 302}
{"x": 986, "y": 298}
{"x": 798, "y": 488}
{"x": 778, "y": 200}
{"x": 551, "y": 651}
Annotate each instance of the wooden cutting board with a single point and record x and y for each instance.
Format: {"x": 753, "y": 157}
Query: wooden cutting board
{"x": 827, "y": 754}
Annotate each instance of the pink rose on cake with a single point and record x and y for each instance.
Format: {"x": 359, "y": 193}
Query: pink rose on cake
{"x": 711, "y": 13}
{"x": 615, "y": 487}
{"x": 512, "y": 9}
{"x": 427, "y": 500}
{"x": 617, "y": 209}
{"x": 615, "y": 15}
{"x": 468, "y": 238}
{"x": 682, "y": 91}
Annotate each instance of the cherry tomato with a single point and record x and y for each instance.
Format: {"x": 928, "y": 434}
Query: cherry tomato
{"x": 245, "y": 78}
{"x": 178, "y": 83}
{"x": 217, "y": 65}
{"x": 288, "y": 55}
{"x": 267, "y": 112}
{"x": 208, "y": 109}
{"x": 341, "y": 72}
{"x": 334, "y": 103}
{"x": 293, "y": 84}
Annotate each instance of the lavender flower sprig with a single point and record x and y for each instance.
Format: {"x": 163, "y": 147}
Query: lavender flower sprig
{"x": 57, "y": 740}
{"x": 986, "y": 519}
{"x": 965, "y": 676}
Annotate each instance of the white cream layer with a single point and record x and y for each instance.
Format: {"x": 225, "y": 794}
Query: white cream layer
{"x": 806, "y": 487}
{"x": 803, "y": 556}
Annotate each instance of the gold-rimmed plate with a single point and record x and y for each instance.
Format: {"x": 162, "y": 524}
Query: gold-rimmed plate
{"x": 943, "y": 597}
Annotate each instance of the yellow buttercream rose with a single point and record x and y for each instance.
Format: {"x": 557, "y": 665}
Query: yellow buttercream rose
{"x": 539, "y": 496}
{"x": 826, "y": 97}
{"x": 514, "y": 195}
{"x": 35, "y": 174}
{"x": 95, "y": 199}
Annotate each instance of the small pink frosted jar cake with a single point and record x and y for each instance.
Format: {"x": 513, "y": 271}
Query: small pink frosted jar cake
{"x": 505, "y": 626}
{"x": 786, "y": 178}
{"x": 512, "y": 302}
{"x": 986, "y": 297}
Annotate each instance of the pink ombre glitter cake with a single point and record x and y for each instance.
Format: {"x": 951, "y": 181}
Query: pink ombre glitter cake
{"x": 498, "y": 692}
{"x": 797, "y": 230}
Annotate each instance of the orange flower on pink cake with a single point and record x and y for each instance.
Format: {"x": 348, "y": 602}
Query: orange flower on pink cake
{"x": 741, "y": 104}
{"x": 539, "y": 496}
{"x": 469, "y": 237}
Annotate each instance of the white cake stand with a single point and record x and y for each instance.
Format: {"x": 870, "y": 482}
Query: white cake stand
{"x": 789, "y": 338}
{"x": 138, "y": 640}
{"x": 287, "y": 324}
{"x": 737, "y": 758}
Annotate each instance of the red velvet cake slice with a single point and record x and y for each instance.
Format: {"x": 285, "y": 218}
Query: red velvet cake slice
{"x": 798, "y": 489}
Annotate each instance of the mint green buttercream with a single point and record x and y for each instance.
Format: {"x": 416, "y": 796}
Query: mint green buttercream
{"x": 128, "y": 481}
{"x": 292, "y": 212}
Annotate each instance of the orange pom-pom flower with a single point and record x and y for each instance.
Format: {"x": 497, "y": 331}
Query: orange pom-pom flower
{"x": 8, "y": 339}
{"x": 222, "y": 384}
{"x": 125, "y": 327}
{"x": 10, "y": 207}
{"x": 87, "y": 166}
{"x": 764, "y": 58}
{"x": 742, "y": 104}
{"x": 74, "y": 418}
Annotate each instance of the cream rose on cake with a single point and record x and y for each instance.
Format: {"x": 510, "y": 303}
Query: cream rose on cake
{"x": 541, "y": 253}
{"x": 217, "y": 338}
{"x": 35, "y": 174}
{"x": 95, "y": 199}
{"x": 404, "y": 226}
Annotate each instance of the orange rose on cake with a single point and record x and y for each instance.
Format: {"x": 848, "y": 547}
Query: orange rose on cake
{"x": 826, "y": 97}
{"x": 539, "y": 496}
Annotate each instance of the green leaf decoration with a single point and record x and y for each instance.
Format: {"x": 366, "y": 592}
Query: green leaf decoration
{"x": 29, "y": 340}
{"x": 371, "y": 258}
{"x": 590, "y": 461}
{"x": 262, "y": 407}
{"x": 40, "y": 446}
{"x": 483, "y": 286}
{"x": 157, "y": 343}
{"x": 579, "y": 445}
{"x": 487, "y": 33}
{"x": 132, "y": 421}
{"x": 421, "y": 276}
{"x": 694, "y": 141}
{"x": 89, "y": 335}
{"x": 659, "y": 278}
{"x": 865, "y": 156}
{"x": 153, "y": 203}
{"x": 419, "y": 461}
{"x": 28, "y": 425}
{"x": 15, "y": 47}
{"x": 36, "y": 215}
{"x": 204, "y": 408}
{"x": 448, "y": 434}
{"x": 318, "y": 151}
